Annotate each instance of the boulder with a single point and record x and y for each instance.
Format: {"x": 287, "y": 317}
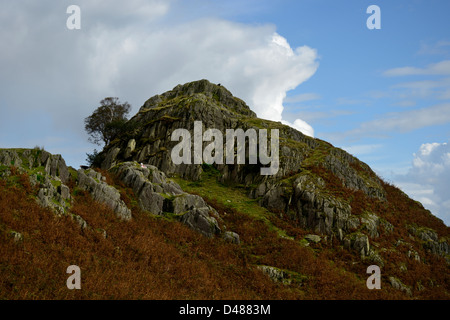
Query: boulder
{"x": 159, "y": 195}
{"x": 276, "y": 275}
{"x": 54, "y": 194}
{"x": 54, "y": 165}
{"x": 397, "y": 284}
{"x": 232, "y": 237}
{"x": 313, "y": 238}
{"x": 358, "y": 242}
{"x": 91, "y": 181}
{"x": 431, "y": 241}
{"x": 17, "y": 236}
{"x": 200, "y": 221}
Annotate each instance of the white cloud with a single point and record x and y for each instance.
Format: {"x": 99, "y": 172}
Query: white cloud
{"x": 254, "y": 63}
{"x": 116, "y": 13}
{"x": 440, "y": 68}
{"x": 438, "y": 48}
{"x": 347, "y": 101}
{"x": 301, "y": 126}
{"x": 363, "y": 149}
{"x": 405, "y": 121}
{"x": 427, "y": 148}
{"x": 439, "y": 89}
{"x": 302, "y": 98}
{"x": 405, "y": 103}
{"x": 428, "y": 180}
{"x": 134, "y": 54}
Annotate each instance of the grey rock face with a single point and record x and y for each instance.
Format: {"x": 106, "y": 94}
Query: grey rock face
{"x": 321, "y": 213}
{"x": 313, "y": 238}
{"x": 200, "y": 221}
{"x": 48, "y": 172}
{"x": 54, "y": 165}
{"x": 80, "y": 221}
{"x": 130, "y": 148}
{"x": 358, "y": 242}
{"x": 302, "y": 198}
{"x": 397, "y": 284}
{"x": 371, "y": 223}
{"x": 56, "y": 198}
{"x": 111, "y": 158}
{"x": 17, "y": 236}
{"x": 232, "y": 237}
{"x": 298, "y": 190}
{"x": 340, "y": 163}
{"x": 91, "y": 181}
{"x": 158, "y": 195}
{"x": 276, "y": 274}
{"x": 431, "y": 241}
{"x": 217, "y": 108}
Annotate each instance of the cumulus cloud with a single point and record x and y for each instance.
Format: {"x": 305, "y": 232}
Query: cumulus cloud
{"x": 428, "y": 180}
{"x": 254, "y": 63}
{"x": 128, "y": 50}
{"x": 301, "y": 126}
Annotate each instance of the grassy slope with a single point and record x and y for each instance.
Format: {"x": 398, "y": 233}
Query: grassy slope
{"x": 147, "y": 258}
{"x": 331, "y": 271}
{"x": 157, "y": 258}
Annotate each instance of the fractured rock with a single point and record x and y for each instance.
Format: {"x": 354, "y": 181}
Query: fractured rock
{"x": 157, "y": 195}
{"x": 91, "y": 181}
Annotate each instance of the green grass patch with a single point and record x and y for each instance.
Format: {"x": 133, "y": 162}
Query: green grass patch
{"x": 232, "y": 198}
{"x": 56, "y": 183}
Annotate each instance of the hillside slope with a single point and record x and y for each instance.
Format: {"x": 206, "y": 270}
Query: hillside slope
{"x": 220, "y": 231}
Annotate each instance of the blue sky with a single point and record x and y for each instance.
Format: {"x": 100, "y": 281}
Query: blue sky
{"x": 383, "y": 95}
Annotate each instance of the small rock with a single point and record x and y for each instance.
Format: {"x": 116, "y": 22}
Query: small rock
{"x": 397, "y": 284}
{"x": 80, "y": 221}
{"x": 313, "y": 238}
{"x": 17, "y": 236}
{"x": 102, "y": 192}
{"x": 232, "y": 237}
{"x": 276, "y": 274}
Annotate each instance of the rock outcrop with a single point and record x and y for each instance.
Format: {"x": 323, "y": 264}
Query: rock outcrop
{"x": 213, "y": 105}
{"x": 54, "y": 194}
{"x": 159, "y": 196}
{"x": 431, "y": 241}
{"x": 296, "y": 190}
{"x": 46, "y": 171}
{"x": 155, "y": 192}
{"x": 95, "y": 184}
{"x": 53, "y": 165}
{"x": 336, "y": 201}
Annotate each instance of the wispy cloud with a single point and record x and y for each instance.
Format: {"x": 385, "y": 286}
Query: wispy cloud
{"x": 363, "y": 149}
{"x": 316, "y": 115}
{"x": 440, "y": 68}
{"x": 404, "y": 121}
{"x": 428, "y": 179}
{"x": 302, "y": 98}
{"x": 349, "y": 101}
{"x": 406, "y": 103}
{"x": 433, "y": 84}
{"x": 438, "y": 89}
{"x": 439, "y": 48}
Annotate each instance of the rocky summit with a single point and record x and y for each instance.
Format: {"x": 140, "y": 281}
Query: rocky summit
{"x": 215, "y": 229}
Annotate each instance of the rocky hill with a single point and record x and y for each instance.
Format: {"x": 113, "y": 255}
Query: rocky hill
{"x": 207, "y": 230}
